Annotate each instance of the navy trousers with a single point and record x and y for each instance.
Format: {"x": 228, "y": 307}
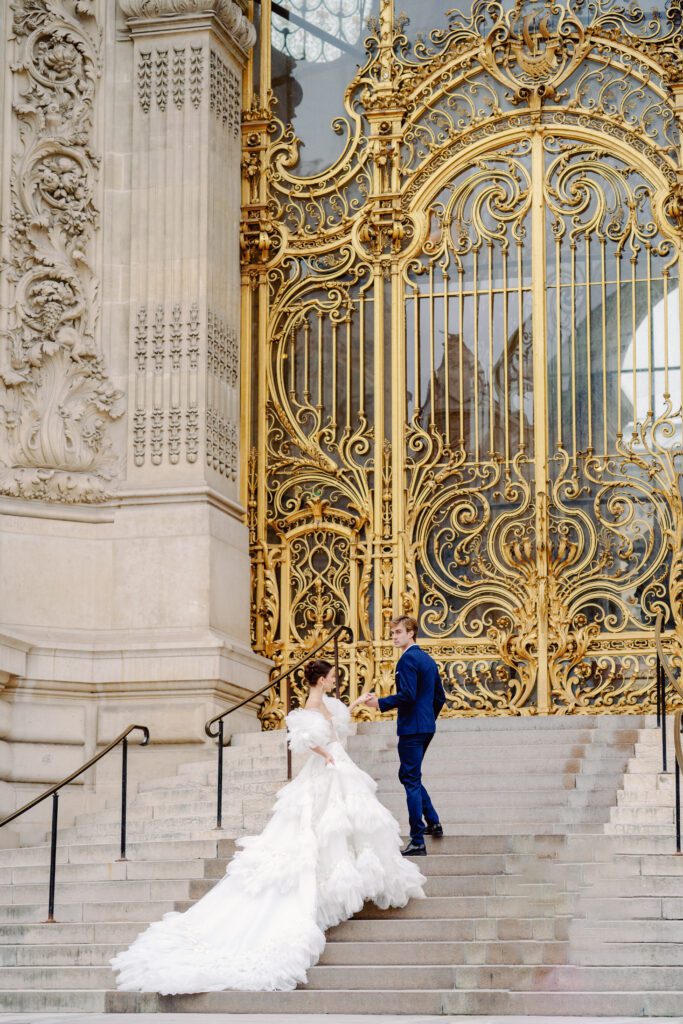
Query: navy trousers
{"x": 411, "y": 750}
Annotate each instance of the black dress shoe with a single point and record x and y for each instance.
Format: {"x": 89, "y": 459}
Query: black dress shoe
{"x": 435, "y": 831}
{"x": 413, "y": 850}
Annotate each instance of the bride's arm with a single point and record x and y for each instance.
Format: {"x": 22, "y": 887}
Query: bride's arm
{"x": 323, "y": 753}
{"x": 359, "y": 700}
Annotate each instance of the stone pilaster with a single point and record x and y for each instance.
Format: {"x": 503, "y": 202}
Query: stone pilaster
{"x": 185, "y": 305}
{"x": 124, "y": 567}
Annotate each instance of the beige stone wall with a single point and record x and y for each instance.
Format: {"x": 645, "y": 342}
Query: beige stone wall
{"x": 124, "y": 571}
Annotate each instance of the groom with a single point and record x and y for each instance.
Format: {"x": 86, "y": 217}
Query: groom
{"x": 419, "y": 698}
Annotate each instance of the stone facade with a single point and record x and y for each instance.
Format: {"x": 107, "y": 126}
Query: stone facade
{"x": 124, "y": 573}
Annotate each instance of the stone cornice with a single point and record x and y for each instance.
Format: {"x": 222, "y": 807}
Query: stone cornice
{"x": 153, "y": 16}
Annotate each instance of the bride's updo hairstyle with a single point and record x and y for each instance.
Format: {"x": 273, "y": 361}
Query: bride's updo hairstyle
{"x": 316, "y": 670}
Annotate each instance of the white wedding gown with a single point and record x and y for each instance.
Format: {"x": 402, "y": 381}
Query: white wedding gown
{"x": 329, "y": 846}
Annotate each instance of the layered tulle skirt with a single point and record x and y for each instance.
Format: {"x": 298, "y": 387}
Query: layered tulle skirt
{"x": 329, "y": 846}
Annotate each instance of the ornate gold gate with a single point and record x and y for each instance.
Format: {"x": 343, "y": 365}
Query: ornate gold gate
{"x": 463, "y": 390}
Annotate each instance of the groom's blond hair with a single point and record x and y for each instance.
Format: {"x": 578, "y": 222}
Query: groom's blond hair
{"x": 408, "y": 621}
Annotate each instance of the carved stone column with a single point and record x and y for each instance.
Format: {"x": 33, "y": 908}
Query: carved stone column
{"x": 124, "y": 567}
{"x": 184, "y": 384}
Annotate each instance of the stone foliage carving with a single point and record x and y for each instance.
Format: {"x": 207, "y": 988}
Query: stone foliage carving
{"x": 56, "y": 399}
{"x": 226, "y": 101}
{"x": 184, "y": 77}
{"x": 222, "y": 356}
{"x": 167, "y": 349}
{"x": 228, "y": 12}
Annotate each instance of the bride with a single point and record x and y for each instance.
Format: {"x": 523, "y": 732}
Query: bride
{"x": 329, "y": 846}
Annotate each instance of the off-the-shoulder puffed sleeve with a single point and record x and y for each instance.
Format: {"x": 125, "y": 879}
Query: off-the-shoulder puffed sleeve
{"x": 343, "y": 723}
{"x": 306, "y": 729}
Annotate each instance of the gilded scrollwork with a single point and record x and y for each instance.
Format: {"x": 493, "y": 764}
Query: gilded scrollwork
{"x": 56, "y": 399}
{"x": 469, "y": 404}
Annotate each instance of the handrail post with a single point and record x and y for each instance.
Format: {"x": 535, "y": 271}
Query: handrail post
{"x": 658, "y": 679}
{"x": 336, "y": 665}
{"x": 53, "y": 860}
{"x": 219, "y": 781}
{"x": 664, "y": 768}
{"x": 288, "y": 702}
{"x": 124, "y": 795}
{"x": 678, "y": 807}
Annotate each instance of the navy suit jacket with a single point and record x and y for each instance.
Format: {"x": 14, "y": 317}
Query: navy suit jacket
{"x": 419, "y": 694}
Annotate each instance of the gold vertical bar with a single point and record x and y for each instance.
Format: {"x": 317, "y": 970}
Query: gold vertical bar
{"x": 540, "y": 394}
{"x": 589, "y": 365}
{"x": 378, "y": 376}
{"x": 307, "y": 339}
{"x": 506, "y": 371}
{"x": 633, "y": 340}
{"x": 573, "y": 320}
{"x": 558, "y": 333}
{"x": 266, "y": 51}
{"x": 432, "y": 298}
{"x": 245, "y": 386}
{"x": 447, "y": 390}
{"x": 665, "y": 289}
{"x": 349, "y": 383}
{"x": 334, "y": 327}
{"x": 491, "y": 403}
{"x": 650, "y": 339}
{"x": 416, "y": 345}
{"x": 292, "y": 362}
{"x": 397, "y": 439}
{"x": 461, "y": 356}
{"x": 520, "y": 340}
{"x": 361, "y": 353}
{"x": 475, "y": 341}
{"x": 603, "y": 290}
{"x": 618, "y": 277}
{"x": 320, "y": 361}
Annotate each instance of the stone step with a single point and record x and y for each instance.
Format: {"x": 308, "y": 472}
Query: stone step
{"x": 204, "y": 805}
{"x": 497, "y": 803}
{"x": 121, "y": 933}
{"x": 441, "y": 952}
{"x": 405, "y": 1001}
{"x": 626, "y": 931}
{"x": 517, "y": 977}
{"x": 87, "y": 853}
{"x": 122, "y": 910}
{"x": 41, "y": 1001}
{"x": 454, "y": 929}
{"x": 537, "y": 724}
{"x": 631, "y": 954}
{"x": 111, "y": 890}
{"x": 502, "y": 783}
{"x": 54, "y": 978}
{"x": 86, "y": 954}
{"x": 117, "y": 871}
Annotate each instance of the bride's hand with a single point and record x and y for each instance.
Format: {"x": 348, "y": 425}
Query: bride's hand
{"x": 329, "y": 760}
{"x": 359, "y": 700}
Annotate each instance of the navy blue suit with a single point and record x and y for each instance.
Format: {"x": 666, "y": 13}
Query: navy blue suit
{"x": 418, "y": 699}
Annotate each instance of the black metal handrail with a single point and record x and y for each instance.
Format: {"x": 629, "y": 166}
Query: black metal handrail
{"x": 53, "y": 791}
{"x": 665, "y": 673}
{"x": 333, "y": 638}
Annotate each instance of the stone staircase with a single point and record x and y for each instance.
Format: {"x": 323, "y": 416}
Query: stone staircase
{"x": 534, "y": 906}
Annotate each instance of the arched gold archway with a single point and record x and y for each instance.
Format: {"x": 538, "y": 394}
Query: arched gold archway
{"x": 463, "y": 392}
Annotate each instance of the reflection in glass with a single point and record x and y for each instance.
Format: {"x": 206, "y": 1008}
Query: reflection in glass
{"x": 316, "y": 48}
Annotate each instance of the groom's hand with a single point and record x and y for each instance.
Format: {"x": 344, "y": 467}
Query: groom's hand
{"x": 371, "y": 701}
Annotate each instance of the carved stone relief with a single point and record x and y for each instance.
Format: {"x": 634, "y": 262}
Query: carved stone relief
{"x": 181, "y": 72}
{"x": 167, "y": 350}
{"x": 225, "y": 96}
{"x": 222, "y": 399}
{"x": 56, "y": 399}
{"x": 228, "y": 12}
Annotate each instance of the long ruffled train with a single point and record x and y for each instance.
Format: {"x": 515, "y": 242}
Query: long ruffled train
{"x": 329, "y": 846}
